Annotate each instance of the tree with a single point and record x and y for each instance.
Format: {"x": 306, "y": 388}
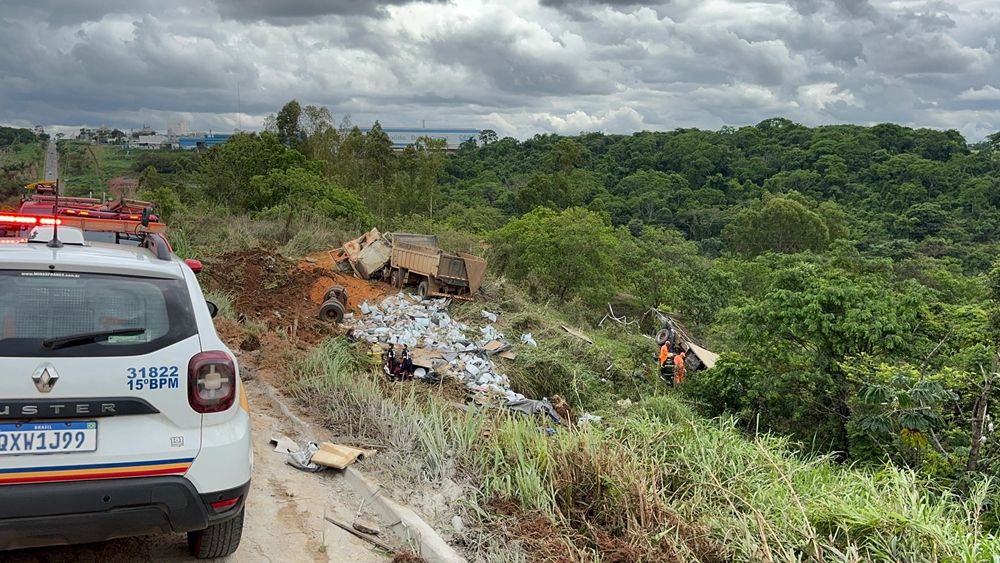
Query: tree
{"x": 487, "y": 136}
{"x": 567, "y": 255}
{"x": 150, "y": 179}
{"x": 297, "y": 191}
{"x": 780, "y": 225}
{"x": 803, "y": 331}
{"x": 227, "y": 169}
{"x": 287, "y": 124}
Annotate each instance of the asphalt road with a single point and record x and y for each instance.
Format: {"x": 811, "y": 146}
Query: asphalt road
{"x": 52, "y": 161}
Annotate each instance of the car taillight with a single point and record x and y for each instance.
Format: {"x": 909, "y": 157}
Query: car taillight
{"x": 211, "y": 382}
{"x": 223, "y": 505}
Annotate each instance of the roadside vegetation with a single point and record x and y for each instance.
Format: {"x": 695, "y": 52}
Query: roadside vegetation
{"x": 844, "y": 273}
{"x": 22, "y": 160}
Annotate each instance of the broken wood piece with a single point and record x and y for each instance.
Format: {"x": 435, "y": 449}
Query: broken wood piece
{"x": 378, "y": 543}
{"x": 366, "y": 528}
{"x": 508, "y": 355}
{"x": 424, "y": 358}
{"x": 577, "y": 334}
{"x": 336, "y": 455}
{"x": 496, "y": 346}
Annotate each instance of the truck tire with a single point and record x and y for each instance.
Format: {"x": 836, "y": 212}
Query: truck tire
{"x": 422, "y": 289}
{"x": 337, "y": 292}
{"x": 394, "y": 278}
{"x": 332, "y": 311}
{"x": 218, "y": 540}
{"x": 662, "y": 336}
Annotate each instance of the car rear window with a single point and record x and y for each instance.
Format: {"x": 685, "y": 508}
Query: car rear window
{"x": 38, "y": 305}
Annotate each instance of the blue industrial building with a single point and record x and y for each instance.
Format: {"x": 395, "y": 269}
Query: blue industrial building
{"x": 189, "y": 142}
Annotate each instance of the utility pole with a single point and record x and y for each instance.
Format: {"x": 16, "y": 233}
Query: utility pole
{"x": 239, "y": 123}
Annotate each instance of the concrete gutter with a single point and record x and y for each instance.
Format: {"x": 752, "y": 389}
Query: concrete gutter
{"x": 406, "y": 523}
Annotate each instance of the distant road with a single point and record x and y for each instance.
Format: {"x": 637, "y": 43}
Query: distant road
{"x": 51, "y": 161}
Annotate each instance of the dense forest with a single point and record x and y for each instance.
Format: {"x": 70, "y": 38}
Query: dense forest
{"x": 844, "y": 272}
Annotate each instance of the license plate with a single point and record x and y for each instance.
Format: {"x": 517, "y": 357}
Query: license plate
{"x": 48, "y": 437}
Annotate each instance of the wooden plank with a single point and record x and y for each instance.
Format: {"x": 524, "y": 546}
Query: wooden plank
{"x": 336, "y": 455}
{"x": 577, "y": 334}
{"x": 424, "y": 358}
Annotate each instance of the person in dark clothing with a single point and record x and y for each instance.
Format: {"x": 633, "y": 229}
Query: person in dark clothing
{"x": 407, "y": 362}
{"x": 390, "y": 362}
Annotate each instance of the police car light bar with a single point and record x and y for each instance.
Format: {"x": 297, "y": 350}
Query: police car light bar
{"x": 94, "y": 224}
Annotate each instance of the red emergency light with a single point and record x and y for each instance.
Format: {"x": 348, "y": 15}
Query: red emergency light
{"x": 27, "y": 220}
{"x": 86, "y": 221}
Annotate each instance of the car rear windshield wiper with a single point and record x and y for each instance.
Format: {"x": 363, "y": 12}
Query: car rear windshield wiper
{"x": 88, "y": 337}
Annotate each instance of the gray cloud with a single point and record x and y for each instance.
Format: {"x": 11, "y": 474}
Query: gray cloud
{"x": 290, "y": 12}
{"x": 518, "y": 66}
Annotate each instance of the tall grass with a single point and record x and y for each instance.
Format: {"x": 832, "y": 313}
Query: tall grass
{"x": 655, "y": 484}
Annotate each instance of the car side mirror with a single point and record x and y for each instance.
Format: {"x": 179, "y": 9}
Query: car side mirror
{"x": 213, "y": 309}
{"x": 195, "y": 265}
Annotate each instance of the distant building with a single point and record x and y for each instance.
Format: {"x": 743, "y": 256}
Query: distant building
{"x": 152, "y": 142}
{"x": 179, "y": 129}
{"x": 403, "y": 137}
{"x": 202, "y": 141}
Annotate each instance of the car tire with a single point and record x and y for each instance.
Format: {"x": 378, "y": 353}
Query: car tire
{"x": 217, "y": 540}
{"x": 332, "y": 311}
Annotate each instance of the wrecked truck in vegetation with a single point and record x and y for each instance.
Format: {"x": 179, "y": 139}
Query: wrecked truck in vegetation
{"x": 417, "y": 261}
{"x": 414, "y": 261}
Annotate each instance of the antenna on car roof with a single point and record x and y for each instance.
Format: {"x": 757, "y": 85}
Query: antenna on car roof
{"x": 55, "y": 242}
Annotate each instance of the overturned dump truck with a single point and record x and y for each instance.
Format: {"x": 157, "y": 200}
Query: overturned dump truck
{"x": 417, "y": 261}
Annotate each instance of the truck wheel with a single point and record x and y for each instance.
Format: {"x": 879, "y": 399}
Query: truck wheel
{"x": 332, "y": 311}
{"x": 218, "y": 540}
{"x": 394, "y": 279}
{"x": 339, "y": 292}
{"x": 662, "y": 336}
{"x": 422, "y": 289}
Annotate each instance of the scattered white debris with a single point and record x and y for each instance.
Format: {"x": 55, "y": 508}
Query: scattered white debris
{"x": 588, "y": 418}
{"x": 492, "y": 317}
{"x": 425, "y": 325}
{"x": 528, "y": 339}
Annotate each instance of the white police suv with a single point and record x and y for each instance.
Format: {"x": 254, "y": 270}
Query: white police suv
{"x": 121, "y": 410}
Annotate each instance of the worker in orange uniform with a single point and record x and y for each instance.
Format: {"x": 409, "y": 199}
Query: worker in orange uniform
{"x": 664, "y": 353}
{"x": 679, "y": 369}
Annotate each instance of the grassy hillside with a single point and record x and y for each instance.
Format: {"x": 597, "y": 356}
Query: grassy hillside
{"x": 844, "y": 273}
{"x": 86, "y": 168}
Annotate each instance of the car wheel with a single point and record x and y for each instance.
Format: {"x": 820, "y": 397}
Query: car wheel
{"x": 218, "y": 540}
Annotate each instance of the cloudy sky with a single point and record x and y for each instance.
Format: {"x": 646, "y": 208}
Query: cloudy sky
{"x": 518, "y": 66}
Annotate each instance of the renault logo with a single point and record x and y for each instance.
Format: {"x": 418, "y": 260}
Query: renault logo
{"x": 45, "y": 378}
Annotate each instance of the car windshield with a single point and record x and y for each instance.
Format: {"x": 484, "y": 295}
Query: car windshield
{"x": 40, "y": 306}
